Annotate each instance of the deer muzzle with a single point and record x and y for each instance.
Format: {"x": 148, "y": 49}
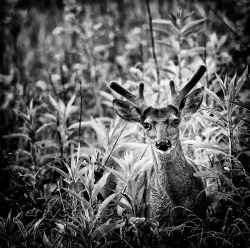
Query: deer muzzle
{"x": 163, "y": 145}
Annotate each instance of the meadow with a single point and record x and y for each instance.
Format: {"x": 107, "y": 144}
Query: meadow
{"x": 59, "y": 130}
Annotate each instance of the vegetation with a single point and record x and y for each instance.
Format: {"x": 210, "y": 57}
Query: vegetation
{"x": 59, "y": 134}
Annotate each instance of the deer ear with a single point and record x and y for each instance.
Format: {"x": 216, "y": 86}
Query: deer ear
{"x": 191, "y": 103}
{"x": 127, "y": 111}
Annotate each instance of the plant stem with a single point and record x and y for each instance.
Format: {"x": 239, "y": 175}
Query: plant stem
{"x": 80, "y": 119}
{"x": 152, "y": 41}
{"x": 230, "y": 138}
{"x": 115, "y": 144}
{"x": 59, "y": 136}
{"x": 144, "y": 152}
{"x": 179, "y": 58}
{"x": 63, "y": 82}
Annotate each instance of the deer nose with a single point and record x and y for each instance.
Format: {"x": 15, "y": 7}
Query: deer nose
{"x": 163, "y": 145}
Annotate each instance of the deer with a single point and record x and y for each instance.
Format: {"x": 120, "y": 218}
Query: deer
{"x": 172, "y": 191}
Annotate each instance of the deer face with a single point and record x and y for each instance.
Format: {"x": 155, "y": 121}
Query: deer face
{"x": 161, "y": 125}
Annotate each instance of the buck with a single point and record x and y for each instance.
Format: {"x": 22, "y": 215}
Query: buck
{"x": 172, "y": 191}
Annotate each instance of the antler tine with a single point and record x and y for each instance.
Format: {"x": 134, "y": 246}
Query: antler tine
{"x": 138, "y": 101}
{"x": 174, "y": 95}
{"x": 192, "y": 82}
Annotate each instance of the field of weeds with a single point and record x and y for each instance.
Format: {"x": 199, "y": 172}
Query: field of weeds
{"x": 59, "y": 132}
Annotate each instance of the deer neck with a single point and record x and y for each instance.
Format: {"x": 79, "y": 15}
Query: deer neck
{"x": 175, "y": 175}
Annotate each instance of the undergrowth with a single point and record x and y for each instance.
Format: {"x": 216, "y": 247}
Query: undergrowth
{"x": 66, "y": 139}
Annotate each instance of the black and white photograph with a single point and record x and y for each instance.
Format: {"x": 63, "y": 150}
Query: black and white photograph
{"x": 124, "y": 124}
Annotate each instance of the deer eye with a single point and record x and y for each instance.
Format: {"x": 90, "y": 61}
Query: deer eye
{"x": 147, "y": 126}
{"x": 175, "y": 122}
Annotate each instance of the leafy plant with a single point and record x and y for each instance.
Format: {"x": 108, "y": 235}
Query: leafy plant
{"x": 84, "y": 216}
{"x": 227, "y": 117}
{"x": 129, "y": 173}
{"x": 177, "y": 32}
{"x": 59, "y": 121}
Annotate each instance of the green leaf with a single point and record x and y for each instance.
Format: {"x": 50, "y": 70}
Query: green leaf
{"x": 68, "y": 168}
{"x": 22, "y": 228}
{"x": 226, "y": 85}
{"x": 46, "y": 144}
{"x": 9, "y": 222}
{"x": 65, "y": 175}
{"x": 99, "y": 185}
{"x": 98, "y": 127}
{"x": 140, "y": 195}
{"x": 215, "y": 97}
{"x": 221, "y": 42}
{"x": 2, "y": 227}
{"x": 241, "y": 104}
{"x": 85, "y": 151}
{"x": 37, "y": 223}
{"x": 24, "y": 152}
{"x": 79, "y": 198}
{"x": 71, "y": 101}
{"x": 191, "y": 26}
{"x": 207, "y": 174}
{"x": 162, "y": 21}
{"x": 123, "y": 205}
{"x": 241, "y": 81}
{"x": 104, "y": 229}
{"x": 54, "y": 103}
{"x": 44, "y": 126}
{"x": 86, "y": 183}
{"x": 50, "y": 117}
{"x": 21, "y": 168}
{"x": 192, "y": 52}
{"x": 25, "y": 117}
{"x": 175, "y": 21}
{"x": 132, "y": 189}
{"x": 123, "y": 163}
{"x": 186, "y": 17}
{"x": 165, "y": 43}
{"x": 198, "y": 145}
{"x": 162, "y": 31}
{"x": 46, "y": 241}
{"x": 69, "y": 108}
{"x": 104, "y": 204}
{"x": 139, "y": 166}
{"x": 101, "y": 132}
{"x": 118, "y": 174}
{"x": 46, "y": 158}
{"x": 83, "y": 124}
{"x": 245, "y": 121}
{"x": 73, "y": 226}
{"x": 221, "y": 84}
{"x": 17, "y": 135}
{"x": 232, "y": 90}
{"x": 106, "y": 95}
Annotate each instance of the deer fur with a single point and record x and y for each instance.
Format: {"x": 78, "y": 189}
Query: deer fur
{"x": 172, "y": 192}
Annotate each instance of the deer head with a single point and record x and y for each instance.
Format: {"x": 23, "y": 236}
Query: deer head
{"x": 161, "y": 125}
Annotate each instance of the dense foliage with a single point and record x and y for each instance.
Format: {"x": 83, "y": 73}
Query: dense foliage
{"x": 59, "y": 132}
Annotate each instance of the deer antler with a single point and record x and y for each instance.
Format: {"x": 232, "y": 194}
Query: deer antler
{"x": 138, "y": 101}
{"x": 178, "y": 96}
